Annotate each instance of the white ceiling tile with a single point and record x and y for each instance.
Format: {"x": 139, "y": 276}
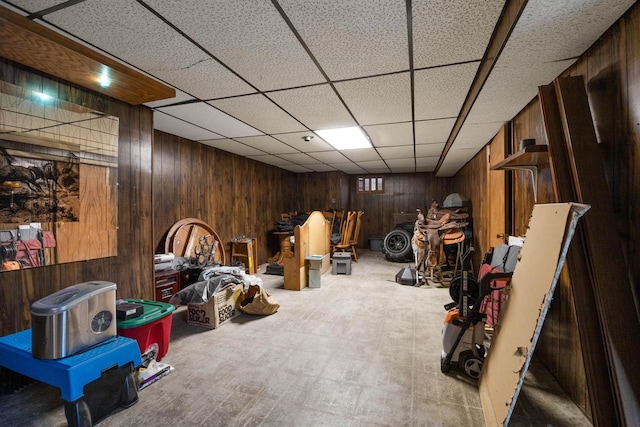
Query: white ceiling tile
{"x": 473, "y": 135}
{"x": 317, "y": 107}
{"x": 296, "y": 140}
{"x": 396, "y": 152}
{"x": 249, "y": 36}
{"x": 391, "y": 134}
{"x": 180, "y": 128}
{"x": 271, "y": 160}
{"x": 36, "y": 5}
{"x": 446, "y": 31}
{"x": 208, "y": 117}
{"x": 350, "y": 168}
{"x": 379, "y": 170}
{"x": 428, "y": 150}
{"x": 376, "y": 100}
{"x": 550, "y": 30}
{"x": 353, "y": 38}
{"x": 509, "y": 89}
{"x": 260, "y": 112}
{"x": 320, "y": 167}
{"x": 372, "y": 164}
{"x": 440, "y": 92}
{"x": 129, "y": 31}
{"x": 180, "y": 97}
{"x": 361, "y": 154}
{"x": 426, "y": 164}
{"x": 433, "y": 131}
{"x": 232, "y": 146}
{"x": 267, "y": 144}
{"x": 401, "y": 163}
{"x": 329, "y": 157}
{"x": 301, "y": 159}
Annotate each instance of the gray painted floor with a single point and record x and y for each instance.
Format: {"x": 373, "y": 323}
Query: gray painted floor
{"x": 360, "y": 351}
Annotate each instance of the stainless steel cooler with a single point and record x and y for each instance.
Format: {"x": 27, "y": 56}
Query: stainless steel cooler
{"x": 73, "y": 319}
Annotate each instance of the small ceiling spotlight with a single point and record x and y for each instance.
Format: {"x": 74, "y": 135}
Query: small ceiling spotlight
{"x": 307, "y": 138}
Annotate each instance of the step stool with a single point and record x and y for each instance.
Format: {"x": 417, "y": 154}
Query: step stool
{"x": 341, "y": 263}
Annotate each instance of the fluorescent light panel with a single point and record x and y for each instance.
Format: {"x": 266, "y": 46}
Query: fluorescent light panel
{"x": 345, "y": 138}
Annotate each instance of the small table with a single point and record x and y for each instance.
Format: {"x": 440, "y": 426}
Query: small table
{"x": 71, "y": 374}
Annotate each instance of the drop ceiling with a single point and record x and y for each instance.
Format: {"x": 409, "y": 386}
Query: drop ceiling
{"x": 256, "y": 77}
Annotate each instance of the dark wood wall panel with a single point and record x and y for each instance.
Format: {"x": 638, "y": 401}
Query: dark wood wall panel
{"x": 402, "y": 193}
{"x": 233, "y": 194}
{"x": 132, "y": 268}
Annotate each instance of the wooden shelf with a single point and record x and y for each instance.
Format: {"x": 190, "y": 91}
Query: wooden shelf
{"x": 529, "y": 158}
{"x": 533, "y": 155}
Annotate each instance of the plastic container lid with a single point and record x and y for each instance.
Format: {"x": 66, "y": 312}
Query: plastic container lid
{"x": 153, "y": 310}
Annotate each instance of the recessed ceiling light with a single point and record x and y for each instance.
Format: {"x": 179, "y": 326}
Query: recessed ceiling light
{"x": 345, "y": 138}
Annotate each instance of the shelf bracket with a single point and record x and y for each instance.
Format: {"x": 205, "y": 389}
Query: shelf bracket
{"x": 533, "y": 170}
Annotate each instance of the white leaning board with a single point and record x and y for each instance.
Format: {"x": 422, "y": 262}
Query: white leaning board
{"x": 551, "y": 228}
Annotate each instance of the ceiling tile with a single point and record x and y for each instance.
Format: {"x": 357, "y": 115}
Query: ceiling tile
{"x": 353, "y": 38}
{"x": 300, "y": 158}
{"x": 391, "y": 134}
{"x": 271, "y": 160}
{"x": 476, "y": 135}
{"x": 396, "y": 152}
{"x": 260, "y": 112}
{"x": 180, "y": 97}
{"x": 206, "y": 116}
{"x": 427, "y": 150}
{"x": 433, "y": 131}
{"x": 350, "y": 168}
{"x": 181, "y": 128}
{"x": 267, "y": 144}
{"x": 248, "y": 36}
{"x": 426, "y": 164}
{"x": 440, "y": 92}
{"x": 361, "y": 154}
{"x": 296, "y": 168}
{"x": 377, "y": 100}
{"x": 372, "y": 164}
{"x": 320, "y": 167}
{"x": 317, "y": 107}
{"x": 401, "y": 163}
{"x": 130, "y": 32}
{"x": 446, "y": 31}
{"x": 296, "y": 140}
{"x": 36, "y": 5}
{"x": 379, "y": 170}
{"x": 232, "y": 147}
{"x": 329, "y": 157}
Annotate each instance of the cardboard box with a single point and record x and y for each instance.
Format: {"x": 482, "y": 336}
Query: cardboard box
{"x": 224, "y": 306}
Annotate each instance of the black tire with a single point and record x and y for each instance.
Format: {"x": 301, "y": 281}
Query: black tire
{"x": 397, "y": 245}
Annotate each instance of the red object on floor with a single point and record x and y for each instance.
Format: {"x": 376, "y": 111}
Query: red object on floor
{"x": 153, "y": 326}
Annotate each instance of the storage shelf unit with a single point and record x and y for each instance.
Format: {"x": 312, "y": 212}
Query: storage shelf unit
{"x": 167, "y": 283}
{"x": 244, "y": 249}
{"x": 529, "y": 158}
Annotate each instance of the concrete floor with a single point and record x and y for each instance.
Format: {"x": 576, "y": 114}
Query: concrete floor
{"x": 360, "y": 351}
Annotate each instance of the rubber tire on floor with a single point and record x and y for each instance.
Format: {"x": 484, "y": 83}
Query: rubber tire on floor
{"x": 455, "y": 287}
{"x": 397, "y": 245}
{"x": 472, "y": 367}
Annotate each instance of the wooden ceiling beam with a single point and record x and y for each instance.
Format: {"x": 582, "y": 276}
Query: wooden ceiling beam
{"x": 38, "y": 47}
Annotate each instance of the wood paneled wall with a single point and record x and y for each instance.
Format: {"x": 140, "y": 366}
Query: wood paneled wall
{"x": 402, "y": 193}
{"x": 612, "y": 74}
{"x": 233, "y": 194}
{"x": 132, "y": 268}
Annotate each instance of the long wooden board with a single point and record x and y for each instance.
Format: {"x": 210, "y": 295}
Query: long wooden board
{"x": 551, "y": 228}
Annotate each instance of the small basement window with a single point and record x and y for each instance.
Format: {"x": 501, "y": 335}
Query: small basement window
{"x": 374, "y": 184}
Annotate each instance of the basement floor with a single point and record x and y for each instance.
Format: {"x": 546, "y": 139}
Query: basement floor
{"x": 360, "y": 351}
